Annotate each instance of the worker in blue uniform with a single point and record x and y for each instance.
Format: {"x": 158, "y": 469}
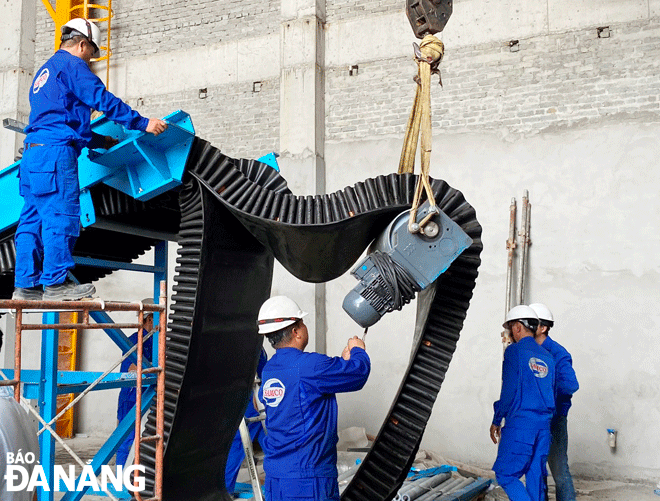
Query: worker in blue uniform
{"x": 127, "y": 395}
{"x": 256, "y": 429}
{"x": 527, "y": 404}
{"x": 62, "y": 95}
{"x": 566, "y": 384}
{"x": 298, "y": 391}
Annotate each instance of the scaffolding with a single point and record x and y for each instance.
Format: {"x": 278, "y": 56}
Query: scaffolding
{"x": 48, "y": 383}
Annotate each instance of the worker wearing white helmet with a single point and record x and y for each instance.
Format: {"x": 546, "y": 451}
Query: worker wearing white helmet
{"x": 298, "y": 391}
{"x": 62, "y": 95}
{"x": 526, "y": 405}
{"x": 80, "y": 27}
{"x": 566, "y": 384}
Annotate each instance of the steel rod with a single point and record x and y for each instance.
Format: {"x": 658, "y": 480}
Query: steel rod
{"x": 138, "y": 402}
{"x": 97, "y": 305}
{"x": 525, "y": 257}
{"x": 438, "y": 490}
{"x": 511, "y": 246}
{"x": 160, "y": 393}
{"x": 17, "y": 355}
{"x": 78, "y": 327}
{"x": 151, "y": 438}
{"x": 523, "y": 243}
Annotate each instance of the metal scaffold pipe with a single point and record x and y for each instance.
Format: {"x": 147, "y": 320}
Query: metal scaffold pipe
{"x": 438, "y": 490}
{"x": 510, "y": 245}
{"x": 524, "y": 243}
{"x": 423, "y": 486}
{"x": 449, "y": 494}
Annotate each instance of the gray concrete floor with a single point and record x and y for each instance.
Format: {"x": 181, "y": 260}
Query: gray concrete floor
{"x": 596, "y": 490}
{"x": 587, "y": 489}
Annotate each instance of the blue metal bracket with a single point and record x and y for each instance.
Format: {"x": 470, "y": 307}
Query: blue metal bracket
{"x": 270, "y": 159}
{"x": 141, "y": 165}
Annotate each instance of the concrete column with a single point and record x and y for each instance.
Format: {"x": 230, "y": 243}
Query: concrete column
{"x": 302, "y": 117}
{"x": 16, "y": 70}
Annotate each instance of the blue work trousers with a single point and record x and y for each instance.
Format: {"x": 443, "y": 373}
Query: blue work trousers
{"x": 302, "y": 489}
{"x": 523, "y": 452}
{"x": 123, "y": 408}
{"x": 558, "y": 459}
{"x": 49, "y": 223}
{"x": 237, "y": 454}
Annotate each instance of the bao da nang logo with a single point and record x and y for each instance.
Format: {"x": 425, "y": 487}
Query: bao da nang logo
{"x": 23, "y": 473}
{"x": 539, "y": 367}
{"x": 273, "y": 392}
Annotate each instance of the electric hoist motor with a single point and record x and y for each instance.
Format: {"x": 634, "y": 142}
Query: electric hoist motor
{"x": 400, "y": 263}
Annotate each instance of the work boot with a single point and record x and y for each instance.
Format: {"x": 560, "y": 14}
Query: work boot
{"x": 68, "y": 291}
{"x": 35, "y": 293}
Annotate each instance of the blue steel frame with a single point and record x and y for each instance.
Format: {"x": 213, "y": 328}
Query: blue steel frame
{"x": 46, "y": 383}
{"x": 142, "y": 166}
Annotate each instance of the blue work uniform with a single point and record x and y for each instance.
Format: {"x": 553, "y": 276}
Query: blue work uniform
{"x": 256, "y": 429}
{"x": 301, "y": 418}
{"x": 565, "y": 385}
{"x": 527, "y": 404}
{"x": 61, "y": 98}
{"x": 127, "y": 396}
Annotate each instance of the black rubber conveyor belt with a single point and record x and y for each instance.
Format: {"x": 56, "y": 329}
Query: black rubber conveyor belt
{"x": 235, "y": 216}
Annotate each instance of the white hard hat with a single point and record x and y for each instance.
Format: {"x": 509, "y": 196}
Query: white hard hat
{"x": 277, "y": 313}
{"x": 81, "y": 26}
{"x": 544, "y": 314}
{"x": 148, "y": 300}
{"x": 523, "y": 314}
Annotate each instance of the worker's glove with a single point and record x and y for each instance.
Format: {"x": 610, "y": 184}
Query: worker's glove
{"x": 109, "y": 142}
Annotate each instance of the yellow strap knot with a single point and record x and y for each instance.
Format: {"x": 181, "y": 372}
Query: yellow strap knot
{"x": 432, "y": 48}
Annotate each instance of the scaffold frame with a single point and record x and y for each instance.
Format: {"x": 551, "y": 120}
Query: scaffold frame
{"x": 48, "y": 382}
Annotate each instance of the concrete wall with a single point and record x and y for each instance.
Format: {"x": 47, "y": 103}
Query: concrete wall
{"x": 571, "y": 117}
{"x": 16, "y": 66}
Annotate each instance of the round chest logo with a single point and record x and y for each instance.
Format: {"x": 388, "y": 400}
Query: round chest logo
{"x": 273, "y": 392}
{"x": 538, "y": 367}
{"x": 40, "y": 81}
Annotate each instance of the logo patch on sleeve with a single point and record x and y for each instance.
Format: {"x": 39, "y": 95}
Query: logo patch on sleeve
{"x": 40, "y": 81}
{"x": 273, "y": 392}
{"x": 538, "y": 367}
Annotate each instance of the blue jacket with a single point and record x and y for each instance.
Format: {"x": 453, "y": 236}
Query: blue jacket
{"x": 298, "y": 390}
{"x": 566, "y": 382}
{"x": 127, "y": 394}
{"x": 527, "y": 400}
{"x": 61, "y": 98}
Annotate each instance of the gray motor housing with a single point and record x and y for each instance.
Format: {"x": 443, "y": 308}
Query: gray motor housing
{"x": 424, "y": 255}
